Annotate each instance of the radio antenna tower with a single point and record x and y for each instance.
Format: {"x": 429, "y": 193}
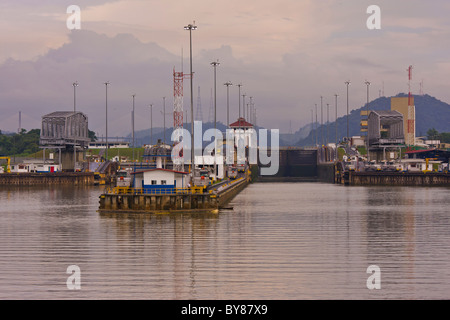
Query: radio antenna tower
{"x": 178, "y": 113}
{"x": 410, "y": 134}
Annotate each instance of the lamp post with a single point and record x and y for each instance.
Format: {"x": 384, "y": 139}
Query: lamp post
{"x": 321, "y": 118}
{"x": 75, "y": 84}
{"x": 367, "y": 115}
{"x": 164, "y": 113}
{"x": 228, "y": 84}
{"x": 335, "y": 122}
{"x": 151, "y": 124}
{"x": 243, "y": 105}
{"x": 348, "y": 134}
{"x": 215, "y": 64}
{"x": 328, "y": 121}
{"x": 191, "y": 27}
{"x": 317, "y": 139}
{"x": 239, "y": 99}
{"x": 312, "y": 127}
{"x": 239, "y": 118}
{"x": 132, "y": 122}
{"x": 249, "y": 116}
{"x": 106, "y": 117}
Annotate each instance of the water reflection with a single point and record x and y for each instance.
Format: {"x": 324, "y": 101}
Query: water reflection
{"x": 281, "y": 241}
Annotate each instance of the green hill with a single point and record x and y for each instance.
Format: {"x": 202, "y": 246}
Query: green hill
{"x": 430, "y": 113}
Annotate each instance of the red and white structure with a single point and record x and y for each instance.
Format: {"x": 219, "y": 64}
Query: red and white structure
{"x": 410, "y": 138}
{"x": 178, "y": 78}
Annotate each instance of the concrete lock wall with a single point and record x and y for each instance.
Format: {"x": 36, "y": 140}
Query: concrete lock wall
{"x": 399, "y": 179}
{"x": 55, "y": 178}
{"x": 155, "y": 203}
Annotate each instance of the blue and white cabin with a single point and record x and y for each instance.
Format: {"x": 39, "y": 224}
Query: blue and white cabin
{"x": 160, "y": 180}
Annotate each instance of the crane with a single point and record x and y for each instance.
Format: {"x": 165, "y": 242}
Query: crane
{"x": 8, "y": 166}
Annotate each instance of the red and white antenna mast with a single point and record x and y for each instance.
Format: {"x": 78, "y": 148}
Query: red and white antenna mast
{"x": 411, "y": 129}
{"x": 178, "y": 78}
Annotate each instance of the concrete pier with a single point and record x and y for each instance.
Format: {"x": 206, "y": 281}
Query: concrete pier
{"x": 167, "y": 203}
{"x": 53, "y": 178}
{"x": 398, "y": 178}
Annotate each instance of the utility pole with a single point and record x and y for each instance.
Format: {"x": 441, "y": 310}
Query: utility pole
{"x": 151, "y": 124}
{"x": 367, "y": 115}
{"x": 164, "y": 121}
{"x": 336, "y": 117}
{"x": 348, "y": 134}
{"x": 321, "y": 118}
{"x": 75, "y": 84}
{"x": 228, "y": 84}
{"x": 106, "y": 117}
{"x": 328, "y": 121}
{"x": 215, "y": 64}
{"x": 317, "y": 139}
{"x": 132, "y": 122}
{"x": 191, "y": 27}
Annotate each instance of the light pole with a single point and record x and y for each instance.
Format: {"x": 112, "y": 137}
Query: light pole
{"x": 164, "y": 113}
{"x": 239, "y": 99}
{"x": 317, "y": 140}
{"x": 215, "y": 64}
{"x": 239, "y": 118}
{"x": 312, "y": 127}
{"x": 151, "y": 124}
{"x": 106, "y": 117}
{"x": 367, "y": 115}
{"x": 132, "y": 122}
{"x": 75, "y": 84}
{"x": 328, "y": 121}
{"x": 228, "y": 84}
{"x": 348, "y": 134}
{"x": 249, "y": 116}
{"x": 191, "y": 27}
{"x": 243, "y": 105}
{"x": 321, "y": 118}
{"x": 335, "y": 123}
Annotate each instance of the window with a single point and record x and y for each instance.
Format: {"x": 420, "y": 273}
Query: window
{"x": 154, "y": 182}
{"x": 163, "y": 182}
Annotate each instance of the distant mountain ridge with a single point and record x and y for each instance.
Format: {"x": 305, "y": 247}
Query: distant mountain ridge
{"x": 430, "y": 113}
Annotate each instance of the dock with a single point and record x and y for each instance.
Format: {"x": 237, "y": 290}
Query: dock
{"x": 182, "y": 200}
{"x": 396, "y": 179}
{"x": 47, "y": 178}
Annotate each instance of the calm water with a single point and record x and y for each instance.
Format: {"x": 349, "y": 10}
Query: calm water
{"x": 281, "y": 241}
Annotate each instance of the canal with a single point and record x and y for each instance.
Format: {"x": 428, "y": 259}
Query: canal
{"x": 305, "y": 240}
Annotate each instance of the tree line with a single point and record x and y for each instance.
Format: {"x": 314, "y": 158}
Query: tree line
{"x": 25, "y": 142}
{"x": 433, "y": 134}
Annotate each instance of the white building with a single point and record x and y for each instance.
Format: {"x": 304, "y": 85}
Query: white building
{"x": 160, "y": 180}
{"x": 416, "y": 165}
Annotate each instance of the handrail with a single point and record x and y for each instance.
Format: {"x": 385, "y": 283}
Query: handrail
{"x": 154, "y": 191}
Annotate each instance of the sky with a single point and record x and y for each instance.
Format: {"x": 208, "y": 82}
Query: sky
{"x": 285, "y": 53}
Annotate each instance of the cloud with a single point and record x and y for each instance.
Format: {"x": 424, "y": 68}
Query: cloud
{"x": 286, "y": 54}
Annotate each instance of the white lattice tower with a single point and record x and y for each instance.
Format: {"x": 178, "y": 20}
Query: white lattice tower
{"x": 178, "y": 77}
